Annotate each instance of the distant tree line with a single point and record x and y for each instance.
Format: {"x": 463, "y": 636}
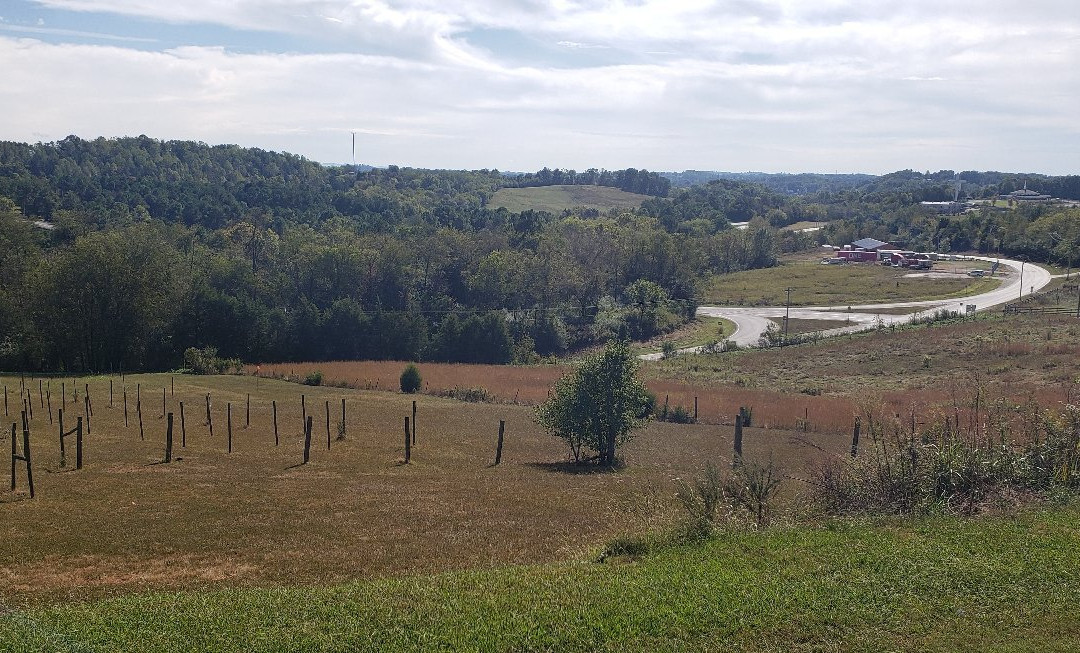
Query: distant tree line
{"x": 401, "y": 264}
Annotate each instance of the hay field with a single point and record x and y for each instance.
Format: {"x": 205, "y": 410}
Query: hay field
{"x": 253, "y": 517}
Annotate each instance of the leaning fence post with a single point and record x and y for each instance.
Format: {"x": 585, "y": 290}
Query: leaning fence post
{"x": 408, "y": 448}
{"x": 168, "y": 439}
{"x": 48, "y": 399}
{"x": 328, "y": 425}
{"x": 40, "y": 393}
{"x": 303, "y": 412}
{"x": 26, "y": 457}
{"x": 274, "y": 404}
{"x": 138, "y": 409}
{"x": 738, "y": 441}
{"x": 86, "y": 411}
{"x": 855, "y": 439}
{"x": 209, "y": 417}
{"x": 498, "y": 449}
{"x": 183, "y": 427}
{"x": 89, "y": 401}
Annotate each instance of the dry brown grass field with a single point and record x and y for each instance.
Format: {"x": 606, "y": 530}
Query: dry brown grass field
{"x": 254, "y": 517}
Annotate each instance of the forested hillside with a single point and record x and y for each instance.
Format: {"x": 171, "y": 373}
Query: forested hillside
{"x": 156, "y": 247}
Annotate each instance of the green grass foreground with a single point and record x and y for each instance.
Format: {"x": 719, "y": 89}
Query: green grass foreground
{"x": 947, "y": 584}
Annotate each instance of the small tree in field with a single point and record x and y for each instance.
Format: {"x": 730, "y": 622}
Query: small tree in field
{"x": 410, "y": 379}
{"x": 597, "y": 406}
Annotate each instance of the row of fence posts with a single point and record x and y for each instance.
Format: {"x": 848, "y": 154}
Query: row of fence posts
{"x": 45, "y": 398}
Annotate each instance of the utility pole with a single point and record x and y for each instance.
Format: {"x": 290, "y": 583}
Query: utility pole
{"x": 787, "y": 314}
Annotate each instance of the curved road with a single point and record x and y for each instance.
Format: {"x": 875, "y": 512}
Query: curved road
{"x": 751, "y": 322}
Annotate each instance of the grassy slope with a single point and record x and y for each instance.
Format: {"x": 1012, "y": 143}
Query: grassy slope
{"x": 814, "y": 284}
{"x": 1002, "y": 584}
{"x": 556, "y": 199}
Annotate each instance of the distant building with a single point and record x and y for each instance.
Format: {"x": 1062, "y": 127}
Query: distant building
{"x": 945, "y": 208}
{"x": 1025, "y": 195}
{"x": 870, "y": 244}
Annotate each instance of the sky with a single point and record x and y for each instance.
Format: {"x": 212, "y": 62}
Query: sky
{"x": 738, "y": 85}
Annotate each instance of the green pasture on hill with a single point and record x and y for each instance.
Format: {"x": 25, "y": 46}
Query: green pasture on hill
{"x": 556, "y": 199}
{"x": 1006, "y": 583}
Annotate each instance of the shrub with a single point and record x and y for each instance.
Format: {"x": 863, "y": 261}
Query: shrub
{"x": 315, "y": 378}
{"x": 410, "y": 379}
{"x": 206, "y": 361}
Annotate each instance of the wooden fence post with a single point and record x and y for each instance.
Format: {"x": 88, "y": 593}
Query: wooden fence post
{"x": 125, "y": 408}
{"x": 26, "y": 456}
{"x": 855, "y": 439}
{"x": 408, "y": 449}
{"x": 168, "y": 439}
{"x": 63, "y": 392}
{"x": 274, "y": 404}
{"x": 303, "y": 412}
{"x": 498, "y": 449}
{"x": 89, "y": 401}
{"x": 172, "y": 384}
{"x": 41, "y": 394}
{"x": 30, "y": 403}
{"x": 328, "y": 425}
{"x": 209, "y": 417}
{"x": 110, "y": 392}
{"x": 183, "y": 427}
{"x": 78, "y": 444}
{"x": 738, "y": 441}
{"x": 13, "y": 456}
{"x": 307, "y": 440}
{"x": 414, "y": 422}
{"x": 48, "y": 401}
{"x": 138, "y": 409}
{"x": 247, "y": 416}
{"x": 342, "y": 434}
{"x": 229, "y": 421}
{"x": 60, "y": 418}
{"x": 86, "y": 411}
{"x": 5, "y": 402}
{"x": 162, "y": 403}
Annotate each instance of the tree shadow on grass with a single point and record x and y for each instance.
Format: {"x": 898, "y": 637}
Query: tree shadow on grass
{"x": 578, "y": 468}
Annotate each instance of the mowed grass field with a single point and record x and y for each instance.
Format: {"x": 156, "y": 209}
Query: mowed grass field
{"x": 938, "y": 584}
{"x": 256, "y": 518}
{"x": 814, "y": 284}
{"x": 556, "y": 199}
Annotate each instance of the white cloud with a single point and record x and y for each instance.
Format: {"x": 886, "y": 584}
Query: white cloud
{"x": 768, "y": 84}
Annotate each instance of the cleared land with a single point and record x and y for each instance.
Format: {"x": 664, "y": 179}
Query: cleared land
{"x": 814, "y": 284}
{"x": 254, "y": 517}
{"x": 556, "y": 199}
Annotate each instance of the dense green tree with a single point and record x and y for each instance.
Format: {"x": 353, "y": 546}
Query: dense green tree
{"x": 596, "y": 407}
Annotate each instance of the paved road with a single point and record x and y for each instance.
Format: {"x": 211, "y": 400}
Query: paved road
{"x": 751, "y": 322}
